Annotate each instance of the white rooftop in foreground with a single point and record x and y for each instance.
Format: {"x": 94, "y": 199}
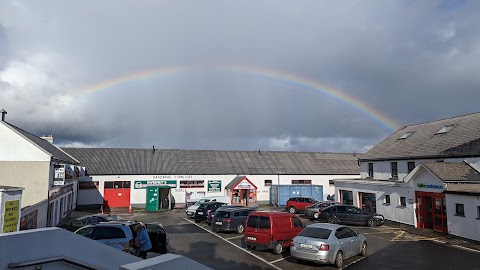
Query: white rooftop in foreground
{"x": 55, "y": 248}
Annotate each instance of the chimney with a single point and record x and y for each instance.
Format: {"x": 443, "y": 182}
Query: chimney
{"x": 3, "y": 112}
{"x": 48, "y": 138}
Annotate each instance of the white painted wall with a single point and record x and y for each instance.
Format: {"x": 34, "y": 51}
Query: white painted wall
{"x": 10, "y": 195}
{"x": 31, "y": 175}
{"x": 14, "y": 147}
{"x": 42, "y": 213}
{"x": 62, "y": 206}
{"x": 393, "y": 211}
{"x": 138, "y": 196}
{"x": 469, "y": 225}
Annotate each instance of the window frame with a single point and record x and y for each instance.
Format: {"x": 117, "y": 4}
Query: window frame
{"x": 387, "y": 199}
{"x": 370, "y": 170}
{"x": 267, "y": 182}
{"x": 404, "y": 203}
{"x": 394, "y": 171}
{"x": 478, "y": 211}
{"x": 458, "y": 213}
{"x": 301, "y": 182}
{"x": 408, "y": 166}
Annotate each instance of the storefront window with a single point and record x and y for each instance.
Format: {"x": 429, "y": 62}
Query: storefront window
{"x": 369, "y": 202}
{"x": 346, "y": 197}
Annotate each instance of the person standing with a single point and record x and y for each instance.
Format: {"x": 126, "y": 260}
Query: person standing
{"x": 142, "y": 241}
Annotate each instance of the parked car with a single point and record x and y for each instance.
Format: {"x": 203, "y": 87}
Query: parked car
{"x": 328, "y": 244}
{"x": 312, "y": 210}
{"x": 230, "y": 219}
{"x": 298, "y": 204}
{"x": 118, "y": 234}
{"x": 348, "y": 214}
{"x": 212, "y": 213}
{"x": 204, "y": 209}
{"x": 191, "y": 209}
{"x": 88, "y": 220}
{"x": 271, "y": 230}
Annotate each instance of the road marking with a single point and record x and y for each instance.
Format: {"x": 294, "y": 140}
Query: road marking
{"x": 378, "y": 237}
{"x": 467, "y": 249}
{"x": 235, "y": 237}
{"x": 354, "y": 262}
{"x": 281, "y": 259}
{"x": 398, "y": 236}
{"x": 231, "y": 243}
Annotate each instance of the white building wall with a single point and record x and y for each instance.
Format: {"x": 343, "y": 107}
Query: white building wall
{"x": 393, "y": 211}
{"x": 138, "y": 196}
{"x": 467, "y": 226}
{"x": 14, "y": 147}
{"x": 31, "y": 175}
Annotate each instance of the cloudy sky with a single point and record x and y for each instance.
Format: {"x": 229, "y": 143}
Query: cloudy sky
{"x": 237, "y": 75}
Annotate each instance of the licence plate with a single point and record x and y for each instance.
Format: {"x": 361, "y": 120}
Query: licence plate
{"x": 200, "y": 213}
{"x": 251, "y": 238}
{"x": 306, "y": 246}
{"x": 218, "y": 223}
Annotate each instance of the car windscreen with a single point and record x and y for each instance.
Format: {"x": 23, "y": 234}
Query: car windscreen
{"x": 113, "y": 218}
{"x": 319, "y": 233}
{"x": 222, "y": 214}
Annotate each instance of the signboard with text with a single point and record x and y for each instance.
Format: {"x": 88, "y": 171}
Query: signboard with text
{"x": 10, "y": 220}
{"x": 59, "y": 175}
{"x": 155, "y": 183}
{"x": 214, "y": 186}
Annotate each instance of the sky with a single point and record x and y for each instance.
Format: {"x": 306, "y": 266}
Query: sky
{"x": 304, "y": 75}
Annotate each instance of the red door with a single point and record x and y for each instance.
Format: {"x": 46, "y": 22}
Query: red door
{"x": 439, "y": 215}
{"x": 116, "y": 194}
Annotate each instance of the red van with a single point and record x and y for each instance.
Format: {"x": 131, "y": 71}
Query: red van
{"x": 271, "y": 230}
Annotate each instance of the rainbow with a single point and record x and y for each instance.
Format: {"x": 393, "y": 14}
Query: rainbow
{"x": 288, "y": 78}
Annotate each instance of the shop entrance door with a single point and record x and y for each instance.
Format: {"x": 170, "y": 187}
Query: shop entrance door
{"x": 439, "y": 215}
{"x": 116, "y": 194}
{"x": 431, "y": 211}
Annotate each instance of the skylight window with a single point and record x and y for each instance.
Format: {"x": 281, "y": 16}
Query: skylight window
{"x": 445, "y": 129}
{"x": 405, "y": 135}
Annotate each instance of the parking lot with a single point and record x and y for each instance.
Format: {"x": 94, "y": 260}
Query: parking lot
{"x": 388, "y": 248}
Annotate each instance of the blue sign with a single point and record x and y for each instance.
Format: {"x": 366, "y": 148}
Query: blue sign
{"x": 422, "y": 185}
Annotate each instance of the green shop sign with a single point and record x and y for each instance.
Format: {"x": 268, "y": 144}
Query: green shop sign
{"x": 155, "y": 183}
{"x": 214, "y": 186}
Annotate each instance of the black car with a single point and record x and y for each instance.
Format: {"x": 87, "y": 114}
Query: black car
{"x": 231, "y": 219}
{"x": 89, "y": 220}
{"x": 348, "y": 214}
{"x": 312, "y": 210}
{"x": 211, "y": 214}
{"x": 203, "y": 209}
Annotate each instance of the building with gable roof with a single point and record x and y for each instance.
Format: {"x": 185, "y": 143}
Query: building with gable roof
{"x": 48, "y": 175}
{"x": 406, "y": 176}
{"x": 121, "y": 177}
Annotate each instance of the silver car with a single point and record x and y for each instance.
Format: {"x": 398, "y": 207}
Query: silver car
{"x": 312, "y": 211}
{"x": 328, "y": 244}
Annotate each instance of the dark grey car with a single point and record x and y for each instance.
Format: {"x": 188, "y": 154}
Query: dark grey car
{"x": 312, "y": 211}
{"x": 348, "y": 214}
{"x": 231, "y": 219}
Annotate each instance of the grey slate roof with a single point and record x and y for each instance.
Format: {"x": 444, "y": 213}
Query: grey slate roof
{"x": 464, "y": 189}
{"x": 121, "y": 161}
{"x": 461, "y": 141}
{"x": 453, "y": 171}
{"x": 234, "y": 182}
{"x": 54, "y": 151}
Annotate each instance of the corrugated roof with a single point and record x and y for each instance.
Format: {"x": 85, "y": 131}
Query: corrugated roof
{"x": 122, "y": 161}
{"x": 424, "y": 142}
{"x": 54, "y": 151}
{"x": 453, "y": 171}
{"x": 464, "y": 189}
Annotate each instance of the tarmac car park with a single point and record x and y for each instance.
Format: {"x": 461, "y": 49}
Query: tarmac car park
{"x": 389, "y": 247}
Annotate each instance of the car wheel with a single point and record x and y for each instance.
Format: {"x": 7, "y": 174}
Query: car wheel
{"x": 364, "y": 249}
{"x": 292, "y": 210}
{"x": 339, "y": 260}
{"x": 214, "y": 230}
{"x": 316, "y": 215}
{"x": 371, "y": 222}
{"x": 332, "y": 220}
{"x": 240, "y": 228}
{"x": 278, "y": 249}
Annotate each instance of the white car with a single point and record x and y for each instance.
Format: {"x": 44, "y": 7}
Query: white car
{"x": 118, "y": 234}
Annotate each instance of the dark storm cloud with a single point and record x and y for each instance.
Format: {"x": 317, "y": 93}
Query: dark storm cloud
{"x": 412, "y": 61}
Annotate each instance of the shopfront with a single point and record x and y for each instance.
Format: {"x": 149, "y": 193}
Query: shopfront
{"x": 242, "y": 192}
{"x": 367, "y": 201}
{"x": 431, "y": 211}
{"x": 346, "y": 197}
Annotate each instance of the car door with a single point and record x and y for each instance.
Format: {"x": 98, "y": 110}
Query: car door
{"x": 356, "y": 242}
{"x": 341, "y": 214}
{"x": 297, "y": 227}
{"x": 355, "y": 215}
{"x": 110, "y": 236}
{"x": 344, "y": 242}
{"x": 158, "y": 237}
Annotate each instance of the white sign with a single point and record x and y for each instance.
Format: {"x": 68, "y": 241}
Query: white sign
{"x": 244, "y": 184}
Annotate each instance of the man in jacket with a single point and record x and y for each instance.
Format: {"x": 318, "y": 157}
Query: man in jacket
{"x": 142, "y": 240}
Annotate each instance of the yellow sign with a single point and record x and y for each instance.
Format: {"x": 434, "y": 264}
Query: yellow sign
{"x": 10, "y": 219}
